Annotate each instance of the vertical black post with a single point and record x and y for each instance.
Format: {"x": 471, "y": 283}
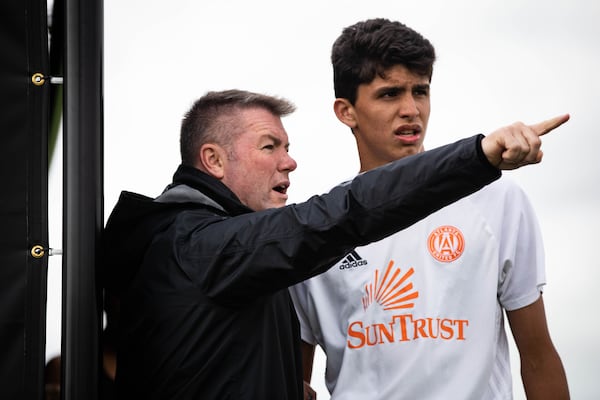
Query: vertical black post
{"x": 24, "y": 99}
{"x": 83, "y": 217}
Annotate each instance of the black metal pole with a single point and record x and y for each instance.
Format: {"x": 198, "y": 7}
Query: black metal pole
{"x": 83, "y": 216}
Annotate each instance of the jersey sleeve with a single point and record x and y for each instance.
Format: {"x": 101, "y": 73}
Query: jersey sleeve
{"x": 522, "y": 269}
{"x": 299, "y": 294}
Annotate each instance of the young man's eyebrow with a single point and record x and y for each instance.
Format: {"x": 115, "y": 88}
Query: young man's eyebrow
{"x": 425, "y": 86}
{"x": 401, "y": 88}
{"x": 390, "y": 88}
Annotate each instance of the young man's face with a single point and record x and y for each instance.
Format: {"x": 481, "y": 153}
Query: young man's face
{"x": 257, "y": 172}
{"x": 391, "y": 116}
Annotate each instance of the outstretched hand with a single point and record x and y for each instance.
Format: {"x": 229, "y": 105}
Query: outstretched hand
{"x": 518, "y": 144}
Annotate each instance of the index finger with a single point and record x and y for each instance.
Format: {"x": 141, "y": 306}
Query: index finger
{"x": 541, "y": 128}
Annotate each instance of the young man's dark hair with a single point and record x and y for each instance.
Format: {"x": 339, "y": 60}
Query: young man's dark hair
{"x": 370, "y": 47}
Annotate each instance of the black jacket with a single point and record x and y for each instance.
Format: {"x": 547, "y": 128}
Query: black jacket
{"x": 205, "y": 310}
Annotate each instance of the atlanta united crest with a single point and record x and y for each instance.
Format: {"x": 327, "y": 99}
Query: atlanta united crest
{"x": 446, "y": 243}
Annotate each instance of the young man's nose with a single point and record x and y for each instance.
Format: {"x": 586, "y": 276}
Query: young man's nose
{"x": 408, "y": 107}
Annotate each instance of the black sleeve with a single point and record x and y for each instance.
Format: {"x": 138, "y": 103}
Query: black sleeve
{"x": 262, "y": 252}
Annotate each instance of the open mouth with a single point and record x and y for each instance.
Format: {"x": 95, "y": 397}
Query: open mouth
{"x": 406, "y": 133}
{"x": 281, "y": 188}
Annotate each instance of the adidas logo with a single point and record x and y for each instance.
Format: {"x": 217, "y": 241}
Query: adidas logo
{"x": 352, "y": 260}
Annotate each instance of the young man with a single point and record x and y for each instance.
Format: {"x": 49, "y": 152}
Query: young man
{"x": 202, "y": 271}
{"x": 419, "y": 315}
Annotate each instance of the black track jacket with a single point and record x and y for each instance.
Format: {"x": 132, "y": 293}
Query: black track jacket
{"x": 205, "y": 311}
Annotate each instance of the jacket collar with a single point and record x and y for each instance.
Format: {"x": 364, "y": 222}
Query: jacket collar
{"x": 209, "y": 187}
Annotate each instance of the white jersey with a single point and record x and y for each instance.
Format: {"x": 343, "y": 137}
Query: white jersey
{"x": 419, "y": 315}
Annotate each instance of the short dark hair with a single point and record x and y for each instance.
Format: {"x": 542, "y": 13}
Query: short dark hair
{"x": 213, "y": 118}
{"x": 371, "y": 47}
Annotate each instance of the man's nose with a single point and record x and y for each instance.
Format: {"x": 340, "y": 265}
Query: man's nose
{"x": 408, "y": 107}
{"x": 288, "y": 163}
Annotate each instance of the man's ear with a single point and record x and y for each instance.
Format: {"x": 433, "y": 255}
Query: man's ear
{"x": 344, "y": 111}
{"x": 212, "y": 158}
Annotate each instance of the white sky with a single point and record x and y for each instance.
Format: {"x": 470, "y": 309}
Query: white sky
{"x": 498, "y": 62}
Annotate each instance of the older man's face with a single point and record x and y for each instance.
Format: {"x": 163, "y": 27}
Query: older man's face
{"x": 259, "y": 166}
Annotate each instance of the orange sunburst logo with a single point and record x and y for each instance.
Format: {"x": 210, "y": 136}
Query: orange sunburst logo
{"x": 391, "y": 291}
{"x": 446, "y": 243}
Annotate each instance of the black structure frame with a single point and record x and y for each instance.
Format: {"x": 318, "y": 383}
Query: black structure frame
{"x": 26, "y": 104}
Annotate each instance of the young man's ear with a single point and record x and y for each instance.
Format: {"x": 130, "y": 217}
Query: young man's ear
{"x": 212, "y": 158}
{"x": 344, "y": 111}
